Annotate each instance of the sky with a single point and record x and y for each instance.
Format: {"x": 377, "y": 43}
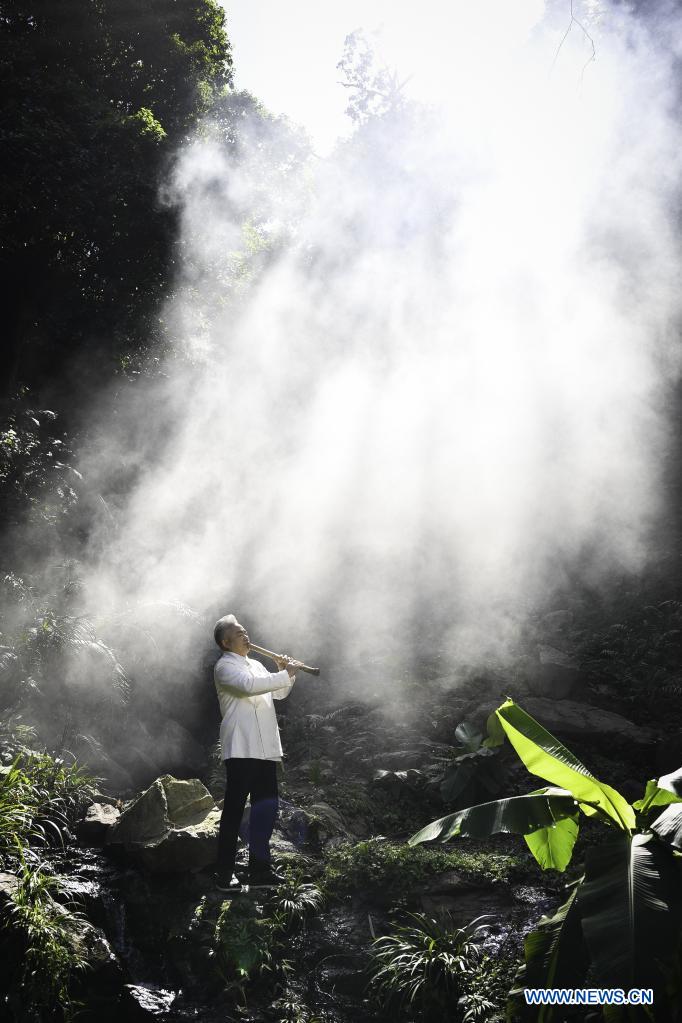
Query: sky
{"x": 286, "y": 54}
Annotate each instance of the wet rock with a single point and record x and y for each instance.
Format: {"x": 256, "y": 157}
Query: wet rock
{"x": 151, "y": 1000}
{"x": 172, "y": 826}
{"x": 98, "y": 821}
{"x": 344, "y": 974}
{"x": 8, "y": 888}
{"x": 553, "y": 673}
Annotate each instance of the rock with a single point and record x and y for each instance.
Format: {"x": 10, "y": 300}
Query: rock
{"x": 553, "y": 673}
{"x": 557, "y": 621}
{"x": 8, "y": 888}
{"x": 567, "y": 718}
{"x": 99, "y": 819}
{"x": 315, "y": 825}
{"x": 145, "y": 819}
{"x": 172, "y": 826}
{"x": 151, "y": 1000}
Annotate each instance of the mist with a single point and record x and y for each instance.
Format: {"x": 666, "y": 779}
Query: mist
{"x": 417, "y": 384}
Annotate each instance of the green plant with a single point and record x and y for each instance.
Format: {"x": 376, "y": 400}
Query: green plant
{"x": 422, "y": 967}
{"x": 244, "y": 944}
{"x": 398, "y": 868}
{"x": 50, "y": 934}
{"x": 472, "y": 770}
{"x": 623, "y": 916}
{"x": 39, "y": 796}
{"x": 295, "y": 900}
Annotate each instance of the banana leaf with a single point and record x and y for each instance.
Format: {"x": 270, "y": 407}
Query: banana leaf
{"x": 655, "y": 795}
{"x": 668, "y": 826}
{"x": 552, "y": 847}
{"x": 672, "y": 782}
{"x": 546, "y": 757}
{"x": 556, "y": 957}
{"x": 631, "y": 911}
{"x": 518, "y": 815}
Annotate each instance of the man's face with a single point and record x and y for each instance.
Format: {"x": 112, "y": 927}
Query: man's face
{"x": 237, "y": 640}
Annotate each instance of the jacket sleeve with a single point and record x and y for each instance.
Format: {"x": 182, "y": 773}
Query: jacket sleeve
{"x": 241, "y": 682}
{"x": 281, "y": 694}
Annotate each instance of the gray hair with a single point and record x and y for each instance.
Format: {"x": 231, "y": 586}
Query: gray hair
{"x": 222, "y": 628}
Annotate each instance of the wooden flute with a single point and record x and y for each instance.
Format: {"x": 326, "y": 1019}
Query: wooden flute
{"x": 270, "y": 653}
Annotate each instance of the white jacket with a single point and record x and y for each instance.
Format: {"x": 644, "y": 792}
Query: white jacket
{"x": 245, "y": 692}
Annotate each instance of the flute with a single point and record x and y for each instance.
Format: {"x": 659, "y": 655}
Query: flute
{"x": 270, "y": 653}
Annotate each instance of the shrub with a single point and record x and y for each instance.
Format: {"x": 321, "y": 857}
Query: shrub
{"x": 398, "y": 868}
{"x": 422, "y": 968}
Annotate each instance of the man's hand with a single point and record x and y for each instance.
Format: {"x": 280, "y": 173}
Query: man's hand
{"x": 284, "y": 661}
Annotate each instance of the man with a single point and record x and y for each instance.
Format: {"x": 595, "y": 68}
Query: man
{"x": 251, "y": 749}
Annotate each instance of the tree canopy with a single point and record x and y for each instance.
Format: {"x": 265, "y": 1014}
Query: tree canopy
{"x": 96, "y": 95}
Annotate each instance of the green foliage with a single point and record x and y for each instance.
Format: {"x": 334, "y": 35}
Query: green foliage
{"x": 40, "y": 796}
{"x": 519, "y": 815}
{"x": 94, "y": 96}
{"x": 37, "y": 483}
{"x": 50, "y": 937}
{"x": 472, "y": 770}
{"x": 398, "y": 868}
{"x": 422, "y": 968}
{"x": 295, "y": 901}
{"x": 374, "y": 90}
{"x": 244, "y": 944}
{"x": 623, "y": 919}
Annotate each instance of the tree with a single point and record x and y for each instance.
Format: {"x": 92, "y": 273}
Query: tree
{"x": 95, "y": 95}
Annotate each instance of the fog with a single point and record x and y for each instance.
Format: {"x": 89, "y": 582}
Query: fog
{"x": 416, "y": 385}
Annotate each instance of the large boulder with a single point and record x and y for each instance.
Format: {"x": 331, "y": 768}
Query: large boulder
{"x": 553, "y": 673}
{"x": 570, "y": 718}
{"x": 172, "y": 826}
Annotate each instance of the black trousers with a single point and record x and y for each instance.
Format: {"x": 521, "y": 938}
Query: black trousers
{"x": 257, "y": 778}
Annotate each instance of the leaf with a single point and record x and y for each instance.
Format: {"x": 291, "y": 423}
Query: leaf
{"x": 468, "y": 736}
{"x": 552, "y": 847}
{"x": 496, "y": 734}
{"x": 546, "y": 757}
{"x": 654, "y": 795}
{"x": 518, "y": 815}
{"x": 457, "y": 779}
{"x": 668, "y": 826}
{"x": 556, "y": 956}
{"x": 672, "y": 782}
{"x": 630, "y": 909}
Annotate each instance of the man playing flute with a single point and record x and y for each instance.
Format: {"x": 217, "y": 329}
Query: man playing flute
{"x": 251, "y": 749}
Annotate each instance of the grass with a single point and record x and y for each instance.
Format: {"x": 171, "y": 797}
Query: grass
{"x": 45, "y": 937}
{"x": 39, "y": 797}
